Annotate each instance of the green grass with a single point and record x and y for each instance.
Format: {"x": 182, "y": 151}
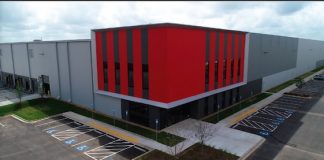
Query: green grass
{"x": 237, "y": 107}
{"x": 41, "y": 108}
{"x": 292, "y": 81}
{"x": 195, "y": 152}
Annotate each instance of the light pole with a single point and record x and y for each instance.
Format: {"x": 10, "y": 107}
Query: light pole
{"x": 114, "y": 118}
{"x": 240, "y": 102}
{"x": 156, "y": 125}
{"x": 218, "y": 112}
{"x": 126, "y": 119}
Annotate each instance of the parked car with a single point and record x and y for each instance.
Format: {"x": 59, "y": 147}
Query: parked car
{"x": 319, "y": 77}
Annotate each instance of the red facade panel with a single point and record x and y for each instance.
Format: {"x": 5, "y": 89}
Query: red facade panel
{"x": 228, "y": 58}
{"x": 123, "y": 62}
{"x": 176, "y": 61}
{"x": 236, "y": 52}
{"x": 99, "y": 61}
{"x": 111, "y": 62}
{"x": 157, "y": 54}
{"x": 186, "y": 50}
{"x": 137, "y": 63}
{"x": 242, "y": 57}
{"x": 220, "y": 60}
{"x": 212, "y": 61}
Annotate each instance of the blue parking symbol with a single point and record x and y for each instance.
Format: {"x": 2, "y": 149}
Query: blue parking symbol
{"x": 264, "y": 133}
{"x": 280, "y": 119}
{"x": 82, "y": 148}
{"x": 70, "y": 141}
{"x": 50, "y": 131}
{"x": 276, "y": 123}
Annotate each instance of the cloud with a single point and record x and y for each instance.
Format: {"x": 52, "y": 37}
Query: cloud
{"x": 25, "y": 21}
{"x": 286, "y": 8}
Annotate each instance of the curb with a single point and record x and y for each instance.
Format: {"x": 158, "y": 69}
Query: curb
{"x": 247, "y": 154}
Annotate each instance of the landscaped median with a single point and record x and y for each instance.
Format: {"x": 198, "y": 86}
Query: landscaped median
{"x": 292, "y": 81}
{"x": 222, "y": 114}
{"x": 195, "y": 152}
{"x": 41, "y": 108}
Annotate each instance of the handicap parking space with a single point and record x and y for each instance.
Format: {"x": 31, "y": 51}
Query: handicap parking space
{"x": 93, "y": 143}
{"x": 267, "y": 120}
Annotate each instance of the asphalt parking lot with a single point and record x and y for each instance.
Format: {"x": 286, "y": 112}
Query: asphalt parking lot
{"x": 292, "y": 125}
{"x": 59, "y": 137}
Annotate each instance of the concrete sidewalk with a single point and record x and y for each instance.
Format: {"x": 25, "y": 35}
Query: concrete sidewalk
{"x": 15, "y": 100}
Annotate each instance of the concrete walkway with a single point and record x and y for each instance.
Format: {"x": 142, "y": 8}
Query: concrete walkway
{"x": 24, "y": 98}
{"x": 233, "y": 141}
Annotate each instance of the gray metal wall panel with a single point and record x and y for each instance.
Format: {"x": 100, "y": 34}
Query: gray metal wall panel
{"x": 6, "y": 59}
{"x": 64, "y": 72}
{"x": 267, "y": 58}
{"x": 108, "y": 105}
{"x": 80, "y": 68}
{"x": 20, "y": 59}
{"x": 50, "y": 53}
{"x": 309, "y": 52}
{"x": 38, "y": 60}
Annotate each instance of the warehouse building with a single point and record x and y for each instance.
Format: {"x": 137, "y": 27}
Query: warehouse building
{"x": 158, "y": 74}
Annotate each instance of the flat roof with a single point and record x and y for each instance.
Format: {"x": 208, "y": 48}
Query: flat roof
{"x": 50, "y": 41}
{"x": 166, "y": 25}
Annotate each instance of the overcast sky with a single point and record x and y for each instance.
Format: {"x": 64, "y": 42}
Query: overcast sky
{"x": 26, "y": 21}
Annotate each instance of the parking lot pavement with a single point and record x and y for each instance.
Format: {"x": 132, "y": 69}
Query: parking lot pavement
{"x": 61, "y": 138}
{"x": 299, "y": 132}
{"x": 88, "y": 141}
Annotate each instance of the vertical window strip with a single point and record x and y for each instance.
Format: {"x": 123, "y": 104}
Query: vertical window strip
{"x": 207, "y": 60}
{"x": 117, "y": 64}
{"x": 145, "y": 67}
{"x": 130, "y": 62}
{"x": 225, "y": 58}
{"x": 104, "y": 57}
{"x": 216, "y": 58}
{"x": 232, "y": 59}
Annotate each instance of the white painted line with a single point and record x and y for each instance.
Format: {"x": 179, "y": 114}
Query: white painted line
{"x": 117, "y": 152}
{"x": 96, "y": 148}
{"x": 141, "y": 149}
{"x": 2, "y": 125}
{"x": 50, "y": 122}
{"x": 73, "y": 127}
{"x": 87, "y": 140}
{"x": 57, "y": 126}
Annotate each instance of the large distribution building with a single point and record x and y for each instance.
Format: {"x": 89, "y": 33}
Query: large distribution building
{"x": 158, "y": 74}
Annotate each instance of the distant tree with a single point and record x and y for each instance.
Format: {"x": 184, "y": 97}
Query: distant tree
{"x": 203, "y": 132}
{"x": 19, "y": 92}
{"x": 41, "y": 91}
{"x": 176, "y": 149}
{"x": 300, "y": 82}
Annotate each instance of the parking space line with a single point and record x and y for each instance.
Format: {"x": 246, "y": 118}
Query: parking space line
{"x": 98, "y": 147}
{"x": 50, "y": 122}
{"x": 58, "y": 126}
{"x": 87, "y": 140}
{"x": 270, "y": 119}
{"x": 2, "y": 125}
{"x": 72, "y": 132}
{"x": 113, "y": 132}
{"x": 108, "y": 150}
{"x": 140, "y": 148}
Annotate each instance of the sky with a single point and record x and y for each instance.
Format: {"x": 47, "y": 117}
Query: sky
{"x": 27, "y": 21}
